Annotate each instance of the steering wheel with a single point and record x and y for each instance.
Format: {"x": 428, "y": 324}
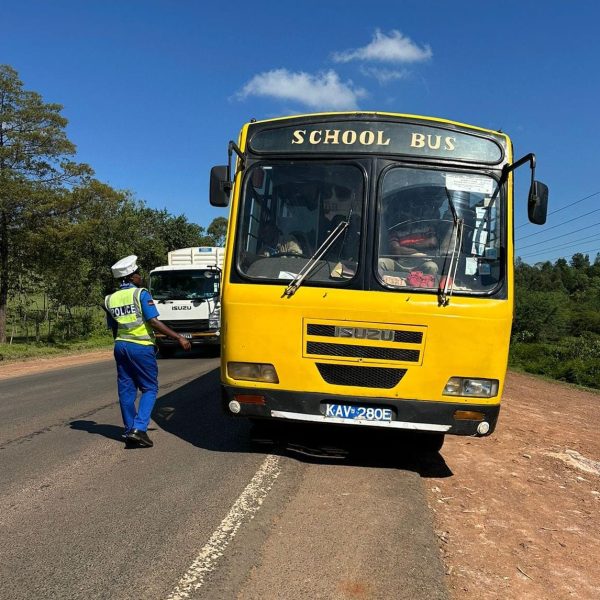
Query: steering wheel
{"x": 280, "y": 254}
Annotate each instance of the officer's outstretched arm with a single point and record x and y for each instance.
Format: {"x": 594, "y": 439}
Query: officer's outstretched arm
{"x": 162, "y": 328}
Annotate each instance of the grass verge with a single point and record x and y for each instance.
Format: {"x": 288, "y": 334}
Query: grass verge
{"x": 18, "y": 351}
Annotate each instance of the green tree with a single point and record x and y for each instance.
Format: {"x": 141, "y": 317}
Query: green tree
{"x": 104, "y": 225}
{"x": 217, "y": 231}
{"x": 540, "y": 315}
{"x": 34, "y": 166}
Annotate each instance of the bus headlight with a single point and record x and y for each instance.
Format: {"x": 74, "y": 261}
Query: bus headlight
{"x": 474, "y": 388}
{"x": 252, "y": 372}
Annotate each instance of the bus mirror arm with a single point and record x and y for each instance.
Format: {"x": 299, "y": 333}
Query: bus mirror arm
{"x": 221, "y": 182}
{"x": 537, "y": 201}
{"x": 233, "y": 147}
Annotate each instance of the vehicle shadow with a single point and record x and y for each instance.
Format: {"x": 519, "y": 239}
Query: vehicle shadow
{"x": 193, "y": 413}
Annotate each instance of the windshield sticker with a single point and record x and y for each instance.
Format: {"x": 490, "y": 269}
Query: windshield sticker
{"x": 479, "y": 242}
{"x": 470, "y": 265}
{"x": 287, "y": 275}
{"x": 475, "y": 184}
{"x": 393, "y": 280}
{"x": 485, "y": 269}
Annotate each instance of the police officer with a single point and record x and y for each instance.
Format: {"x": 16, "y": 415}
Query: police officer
{"x": 132, "y": 316}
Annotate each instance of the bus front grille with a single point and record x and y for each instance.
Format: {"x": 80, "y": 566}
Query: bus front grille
{"x": 370, "y": 377}
{"x": 377, "y": 344}
{"x": 399, "y": 335}
{"x": 353, "y": 351}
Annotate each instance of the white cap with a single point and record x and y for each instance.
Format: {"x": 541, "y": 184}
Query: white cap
{"x": 125, "y": 266}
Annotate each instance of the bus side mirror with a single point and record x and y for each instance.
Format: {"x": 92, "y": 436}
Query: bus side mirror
{"x": 537, "y": 203}
{"x": 220, "y": 186}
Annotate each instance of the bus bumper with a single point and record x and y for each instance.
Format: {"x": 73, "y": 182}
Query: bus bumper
{"x": 412, "y": 415}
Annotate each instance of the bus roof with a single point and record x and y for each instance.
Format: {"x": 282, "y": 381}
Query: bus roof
{"x": 372, "y": 113}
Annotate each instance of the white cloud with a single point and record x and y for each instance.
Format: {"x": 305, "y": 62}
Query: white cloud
{"x": 322, "y": 91}
{"x": 393, "y": 48}
{"x": 384, "y": 76}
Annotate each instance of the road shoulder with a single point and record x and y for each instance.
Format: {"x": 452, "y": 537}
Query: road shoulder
{"x": 343, "y": 535}
{"x": 42, "y": 365}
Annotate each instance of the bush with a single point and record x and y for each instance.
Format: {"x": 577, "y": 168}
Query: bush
{"x": 574, "y": 360}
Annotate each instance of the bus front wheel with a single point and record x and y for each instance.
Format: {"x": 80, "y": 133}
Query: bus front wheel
{"x": 430, "y": 442}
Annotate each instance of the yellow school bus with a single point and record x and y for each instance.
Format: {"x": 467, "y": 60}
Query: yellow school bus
{"x": 368, "y": 277}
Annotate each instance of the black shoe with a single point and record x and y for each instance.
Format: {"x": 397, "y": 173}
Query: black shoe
{"x": 140, "y": 437}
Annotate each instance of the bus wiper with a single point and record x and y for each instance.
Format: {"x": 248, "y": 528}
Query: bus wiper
{"x": 456, "y": 236}
{"x": 312, "y": 261}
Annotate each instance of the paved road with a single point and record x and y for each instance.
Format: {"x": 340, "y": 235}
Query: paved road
{"x": 215, "y": 510}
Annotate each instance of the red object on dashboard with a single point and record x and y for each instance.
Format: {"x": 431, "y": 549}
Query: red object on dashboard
{"x": 420, "y": 279}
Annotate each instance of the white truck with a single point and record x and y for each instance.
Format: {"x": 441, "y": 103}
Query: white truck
{"x": 187, "y": 295}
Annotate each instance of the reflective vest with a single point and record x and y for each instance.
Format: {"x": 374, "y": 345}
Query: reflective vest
{"x": 125, "y": 308}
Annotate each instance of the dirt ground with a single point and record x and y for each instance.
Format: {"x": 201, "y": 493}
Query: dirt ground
{"x": 519, "y": 518}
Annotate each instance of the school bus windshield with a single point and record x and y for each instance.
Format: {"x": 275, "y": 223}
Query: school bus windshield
{"x": 420, "y": 242}
{"x": 288, "y": 210}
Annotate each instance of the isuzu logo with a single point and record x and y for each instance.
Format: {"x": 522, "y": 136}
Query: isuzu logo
{"x": 184, "y": 307}
{"x": 365, "y": 333}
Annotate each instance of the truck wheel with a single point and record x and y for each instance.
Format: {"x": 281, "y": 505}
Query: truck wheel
{"x": 166, "y": 351}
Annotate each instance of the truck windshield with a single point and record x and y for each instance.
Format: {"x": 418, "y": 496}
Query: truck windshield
{"x": 184, "y": 285}
{"x": 289, "y": 209}
{"x": 420, "y": 243}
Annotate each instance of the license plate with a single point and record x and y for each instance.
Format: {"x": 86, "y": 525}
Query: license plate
{"x": 186, "y": 335}
{"x": 358, "y": 413}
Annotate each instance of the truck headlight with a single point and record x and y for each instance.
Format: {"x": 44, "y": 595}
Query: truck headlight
{"x": 214, "y": 318}
{"x": 252, "y": 372}
{"x": 473, "y": 388}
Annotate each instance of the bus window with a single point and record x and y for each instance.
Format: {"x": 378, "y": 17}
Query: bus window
{"x": 418, "y": 234}
{"x": 289, "y": 210}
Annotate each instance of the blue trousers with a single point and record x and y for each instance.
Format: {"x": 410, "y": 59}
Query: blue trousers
{"x": 136, "y": 370}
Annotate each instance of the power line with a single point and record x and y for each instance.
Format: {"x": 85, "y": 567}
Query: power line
{"x": 553, "y": 212}
{"x": 560, "y": 224}
{"x": 564, "y": 235}
{"x": 559, "y": 247}
{"x": 563, "y": 246}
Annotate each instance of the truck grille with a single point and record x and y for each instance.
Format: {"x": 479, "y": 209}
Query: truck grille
{"x": 187, "y": 324}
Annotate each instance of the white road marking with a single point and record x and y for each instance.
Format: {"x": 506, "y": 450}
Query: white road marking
{"x": 244, "y": 508}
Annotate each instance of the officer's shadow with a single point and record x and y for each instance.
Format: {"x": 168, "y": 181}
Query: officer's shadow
{"x": 112, "y": 432}
{"x": 193, "y": 413}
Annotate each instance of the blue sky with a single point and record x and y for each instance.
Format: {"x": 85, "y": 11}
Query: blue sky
{"x": 154, "y": 89}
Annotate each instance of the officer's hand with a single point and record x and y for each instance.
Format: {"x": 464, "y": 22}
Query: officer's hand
{"x": 185, "y": 344}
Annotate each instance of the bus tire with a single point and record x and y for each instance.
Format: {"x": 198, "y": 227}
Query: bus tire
{"x": 430, "y": 443}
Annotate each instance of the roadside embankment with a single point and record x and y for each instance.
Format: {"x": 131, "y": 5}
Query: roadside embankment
{"x": 57, "y": 360}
